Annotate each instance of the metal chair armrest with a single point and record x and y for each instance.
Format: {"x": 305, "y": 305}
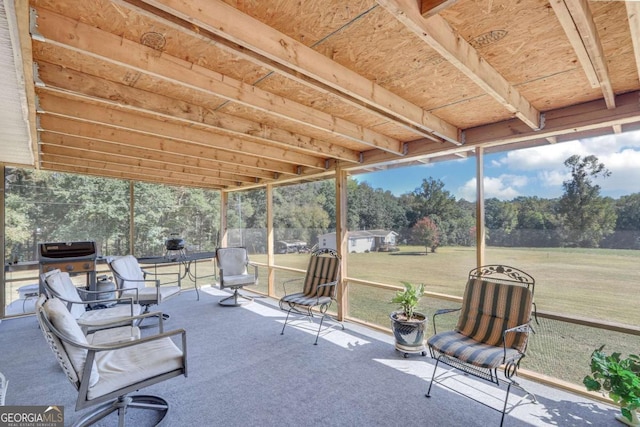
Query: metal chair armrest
{"x": 442, "y": 311}
{"x": 516, "y": 329}
{"x": 289, "y": 281}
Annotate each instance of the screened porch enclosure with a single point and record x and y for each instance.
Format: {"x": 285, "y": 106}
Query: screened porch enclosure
{"x": 258, "y": 123}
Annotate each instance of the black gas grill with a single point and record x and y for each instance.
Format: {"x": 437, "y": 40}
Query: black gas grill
{"x": 72, "y": 257}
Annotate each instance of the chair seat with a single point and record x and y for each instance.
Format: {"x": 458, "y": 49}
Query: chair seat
{"x": 114, "y": 335}
{"x": 467, "y": 350}
{"x": 238, "y": 280}
{"x": 146, "y": 360}
{"x": 302, "y": 299}
{"x": 109, "y": 315}
{"x": 148, "y": 295}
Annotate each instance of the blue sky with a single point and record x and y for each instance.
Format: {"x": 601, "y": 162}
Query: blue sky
{"x": 535, "y": 171}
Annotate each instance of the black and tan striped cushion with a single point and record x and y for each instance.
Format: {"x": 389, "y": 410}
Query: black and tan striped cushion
{"x": 321, "y": 270}
{"x": 489, "y": 308}
{"x": 470, "y": 351}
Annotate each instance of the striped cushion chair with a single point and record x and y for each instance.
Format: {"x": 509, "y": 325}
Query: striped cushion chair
{"x": 318, "y": 290}
{"x": 492, "y": 329}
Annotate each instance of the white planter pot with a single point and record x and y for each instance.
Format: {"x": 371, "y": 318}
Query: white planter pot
{"x": 634, "y": 419}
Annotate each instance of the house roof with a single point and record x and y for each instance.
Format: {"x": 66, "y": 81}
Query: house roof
{"x": 233, "y": 94}
{"x": 358, "y": 234}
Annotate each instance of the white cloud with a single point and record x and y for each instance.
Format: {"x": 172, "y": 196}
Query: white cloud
{"x": 619, "y": 153}
{"x": 504, "y": 187}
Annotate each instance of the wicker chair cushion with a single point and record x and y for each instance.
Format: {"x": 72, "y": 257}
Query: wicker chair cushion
{"x": 489, "y": 308}
{"x": 64, "y": 322}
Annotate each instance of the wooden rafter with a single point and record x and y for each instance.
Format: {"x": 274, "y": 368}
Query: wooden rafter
{"x": 71, "y": 34}
{"x": 577, "y": 121}
{"x": 298, "y": 60}
{"x": 64, "y": 145}
{"x": 633, "y": 14}
{"x": 577, "y": 22}
{"x": 432, "y": 7}
{"x": 131, "y": 139}
{"x": 164, "y": 106}
{"x": 437, "y": 32}
{"x": 67, "y": 105}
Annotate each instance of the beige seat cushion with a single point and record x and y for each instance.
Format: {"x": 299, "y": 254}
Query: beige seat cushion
{"x": 64, "y": 322}
{"x": 127, "y": 366}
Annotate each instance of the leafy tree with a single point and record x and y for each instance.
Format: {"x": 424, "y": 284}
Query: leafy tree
{"x": 425, "y": 232}
{"x": 587, "y": 216}
{"x": 501, "y": 218}
{"x": 627, "y": 234}
{"x": 538, "y": 222}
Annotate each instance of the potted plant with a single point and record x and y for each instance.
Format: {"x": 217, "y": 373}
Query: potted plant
{"x": 408, "y": 325}
{"x": 620, "y": 378}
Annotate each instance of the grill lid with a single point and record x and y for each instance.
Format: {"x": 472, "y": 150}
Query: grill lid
{"x": 174, "y": 243}
{"x": 59, "y": 250}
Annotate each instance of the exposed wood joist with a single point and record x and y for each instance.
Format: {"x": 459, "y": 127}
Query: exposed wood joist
{"x": 68, "y": 105}
{"x": 96, "y": 170}
{"x": 89, "y": 109}
{"x": 298, "y": 60}
{"x": 438, "y": 34}
{"x": 71, "y": 34}
{"x": 169, "y": 158}
{"x": 131, "y": 139}
{"x": 633, "y": 14}
{"x": 140, "y": 163}
{"x": 578, "y": 121}
{"x": 432, "y": 7}
{"x": 123, "y": 96}
{"x": 73, "y": 160}
{"x": 577, "y": 21}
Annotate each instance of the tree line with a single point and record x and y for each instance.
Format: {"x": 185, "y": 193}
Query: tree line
{"x": 45, "y": 207}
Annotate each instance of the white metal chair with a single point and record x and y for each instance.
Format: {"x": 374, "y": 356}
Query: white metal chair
{"x": 132, "y": 280}
{"x": 106, "y": 373}
{"x": 58, "y": 284}
{"x": 233, "y": 267}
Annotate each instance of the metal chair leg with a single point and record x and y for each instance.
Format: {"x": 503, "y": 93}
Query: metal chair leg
{"x": 432, "y": 378}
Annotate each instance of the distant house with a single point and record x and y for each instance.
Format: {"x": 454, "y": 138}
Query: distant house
{"x": 362, "y": 241}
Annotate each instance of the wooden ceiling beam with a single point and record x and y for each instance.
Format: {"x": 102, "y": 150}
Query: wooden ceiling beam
{"x": 140, "y": 164}
{"x": 73, "y": 159}
{"x": 103, "y": 173}
{"x": 633, "y": 14}
{"x": 298, "y": 60}
{"x": 164, "y": 160}
{"x": 432, "y": 7}
{"x": 129, "y": 140}
{"x": 439, "y": 35}
{"x": 70, "y": 34}
{"x": 577, "y": 21}
{"x": 112, "y": 93}
{"x": 54, "y": 103}
{"x": 574, "y": 122}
